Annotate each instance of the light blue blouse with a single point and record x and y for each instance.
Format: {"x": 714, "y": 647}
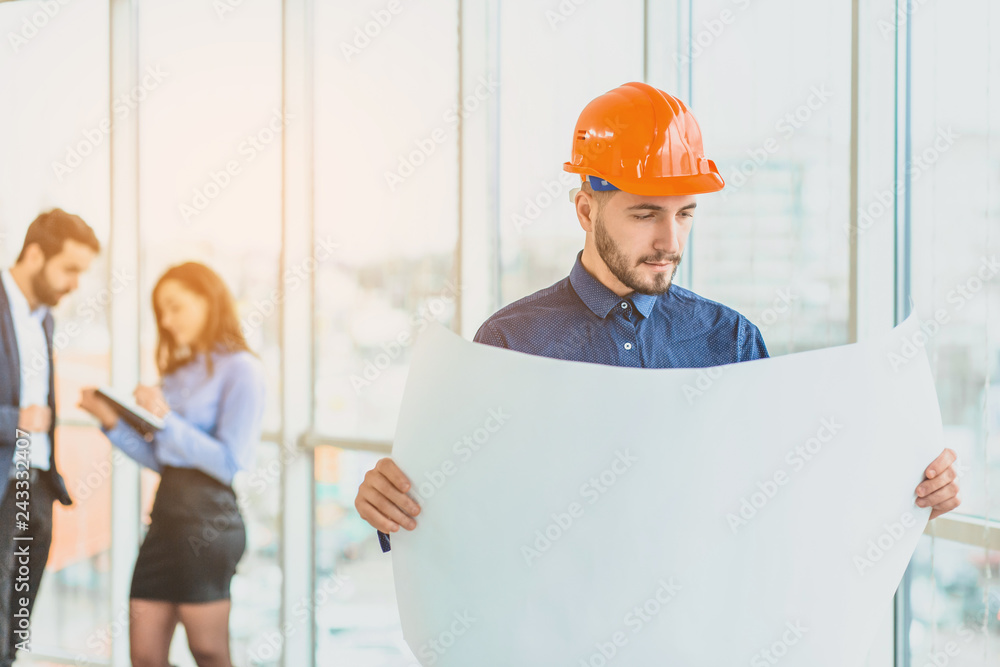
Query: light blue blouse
{"x": 214, "y": 422}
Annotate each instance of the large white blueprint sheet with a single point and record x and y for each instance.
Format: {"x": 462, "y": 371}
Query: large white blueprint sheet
{"x": 579, "y": 514}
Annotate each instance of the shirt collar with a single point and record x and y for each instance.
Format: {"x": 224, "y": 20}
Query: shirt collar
{"x": 599, "y": 298}
{"x": 17, "y": 298}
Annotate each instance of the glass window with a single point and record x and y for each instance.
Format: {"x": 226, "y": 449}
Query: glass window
{"x": 55, "y": 154}
{"x": 255, "y": 614}
{"x": 539, "y": 233}
{"x": 952, "y": 606}
{"x": 386, "y": 155}
{"x": 771, "y": 244}
{"x": 949, "y": 239}
{"x": 210, "y": 191}
{"x": 955, "y": 233}
{"x": 356, "y": 617}
{"x": 210, "y": 160}
{"x": 72, "y": 612}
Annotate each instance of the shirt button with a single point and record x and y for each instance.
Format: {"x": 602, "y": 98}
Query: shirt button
{"x": 624, "y": 305}
{"x": 628, "y": 346}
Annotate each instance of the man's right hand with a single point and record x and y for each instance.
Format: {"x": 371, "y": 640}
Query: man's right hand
{"x": 382, "y": 499}
{"x": 35, "y": 419}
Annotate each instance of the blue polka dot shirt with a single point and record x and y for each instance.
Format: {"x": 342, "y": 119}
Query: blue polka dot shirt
{"x": 580, "y": 319}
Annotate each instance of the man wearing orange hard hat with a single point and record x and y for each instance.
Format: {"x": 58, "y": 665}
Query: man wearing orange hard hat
{"x": 639, "y": 154}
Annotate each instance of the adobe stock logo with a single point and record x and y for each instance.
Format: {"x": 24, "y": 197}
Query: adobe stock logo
{"x": 593, "y": 490}
{"x": 796, "y": 458}
{"x": 219, "y": 180}
{"x": 432, "y": 650}
{"x": 637, "y": 618}
{"x": 122, "y": 106}
{"x": 423, "y": 148}
{"x": 363, "y": 35}
{"x": 891, "y": 534}
{"x": 464, "y": 449}
{"x": 29, "y": 28}
{"x": 779, "y": 648}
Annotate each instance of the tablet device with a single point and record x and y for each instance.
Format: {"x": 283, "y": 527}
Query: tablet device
{"x": 142, "y": 420}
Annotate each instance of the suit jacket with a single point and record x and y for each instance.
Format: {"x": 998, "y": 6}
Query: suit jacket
{"x": 10, "y": 401}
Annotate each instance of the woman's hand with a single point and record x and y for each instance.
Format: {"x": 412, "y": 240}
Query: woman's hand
{"x": 151, "y": 398}
{"x": 97, "y": 406}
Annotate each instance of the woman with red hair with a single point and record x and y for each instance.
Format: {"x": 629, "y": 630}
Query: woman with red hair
{"x": 211, "y": 400}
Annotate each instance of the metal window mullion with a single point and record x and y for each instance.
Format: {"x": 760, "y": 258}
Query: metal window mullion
{"x": 314, "y": 440}
{"x": 297, "y": 338}
{"x": 478, "y": 167}
{"x": 123, "y": 324}
{"x": 901, "y": 229}
{"x": 968, "y": 530}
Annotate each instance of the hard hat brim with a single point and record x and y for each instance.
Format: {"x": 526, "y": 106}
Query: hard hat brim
{"x": 666, "y": 186}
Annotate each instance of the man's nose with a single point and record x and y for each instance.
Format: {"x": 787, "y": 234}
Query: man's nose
{"x": 668, "y": 236}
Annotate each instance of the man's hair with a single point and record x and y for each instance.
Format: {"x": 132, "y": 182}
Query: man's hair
{"x": 600, "y": 196}
{"x": 51, "y": 230}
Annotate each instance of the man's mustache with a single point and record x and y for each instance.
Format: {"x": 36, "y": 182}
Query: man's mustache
{"x": 674, "y": 259}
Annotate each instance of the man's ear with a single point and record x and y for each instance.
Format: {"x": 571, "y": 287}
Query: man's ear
{"x": 33, "y": 258}
{"x": 586, "y": 207}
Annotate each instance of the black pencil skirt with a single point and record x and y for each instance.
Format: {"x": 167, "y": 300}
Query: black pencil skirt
{"x": 196, "y": 537}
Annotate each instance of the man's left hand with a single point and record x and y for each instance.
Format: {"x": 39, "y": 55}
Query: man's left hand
{"x": 939, "y": 490}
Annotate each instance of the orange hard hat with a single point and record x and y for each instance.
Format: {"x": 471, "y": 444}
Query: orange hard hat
{"x": 639, "y": 139}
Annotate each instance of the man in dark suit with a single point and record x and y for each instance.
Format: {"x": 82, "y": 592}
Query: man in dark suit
{"x": 58, "y": 247}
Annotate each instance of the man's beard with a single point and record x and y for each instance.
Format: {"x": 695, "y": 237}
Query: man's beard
{"x": 44, "y": 291}
{"x": 622, "y": 269}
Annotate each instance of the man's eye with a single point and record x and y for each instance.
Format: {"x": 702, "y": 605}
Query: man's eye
{"x": 644, "y": 217}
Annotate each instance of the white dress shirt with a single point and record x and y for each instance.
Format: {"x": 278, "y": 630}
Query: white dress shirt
{"x": 34, "y": 355}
